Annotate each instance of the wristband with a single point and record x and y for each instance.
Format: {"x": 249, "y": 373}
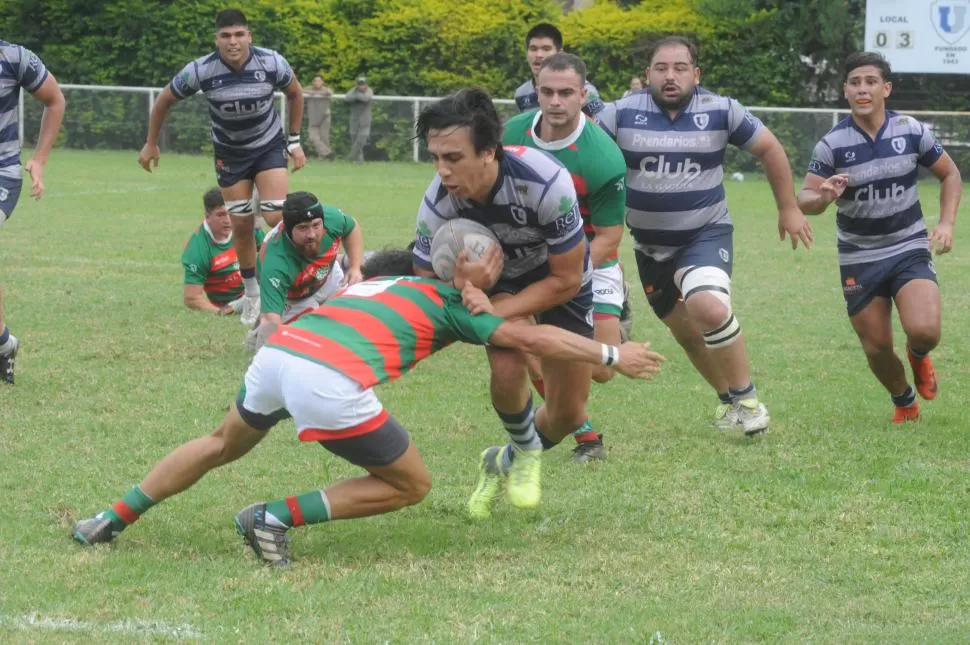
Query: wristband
{"x": 610, "y": 355}
{"x": 292, "y": 142}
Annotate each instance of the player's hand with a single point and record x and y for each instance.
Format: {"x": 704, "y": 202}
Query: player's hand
{"x": 792, "y": 222}
{"x": 352, "y": 276}
{"x": 833, "y": 187}
{"x": 484, "y": 272}
{"x": 637, "y": 361}
{"x": 298, "y": 157}
{"x": 149, "y": 156}
{"x": 941, "y": 238}
{"x": 475, "y": 300}
{"x": 36, "y": 171}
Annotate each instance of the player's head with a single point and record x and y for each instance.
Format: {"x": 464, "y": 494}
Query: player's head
{"x": 217, "y": 217}
{"x": 464, "y": 137}
{"x": 303, "y": 222}
{"x": 317, "y": 82}
{"x": 867, "y": 82}
{"x": 672, "y": 72}
{"x": 541, "y": 42}
{"x": 232, "y": 36}
{"x": 636, "y": 84}
{"x": 387, "y": 263}
{"x": 561, "y": 86}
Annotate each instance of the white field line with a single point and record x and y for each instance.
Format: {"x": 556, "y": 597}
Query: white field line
{"x": 128, "y": 627}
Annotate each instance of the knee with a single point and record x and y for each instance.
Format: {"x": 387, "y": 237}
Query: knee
{"x": 707, "y": 313}
{"x": 924, "y": 336}
{"x": 876, "y": 344}
{"x": 414, "y": 489}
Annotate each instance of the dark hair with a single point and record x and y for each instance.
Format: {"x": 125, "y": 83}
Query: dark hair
{"x": 545, "y": 30}
{"x": 562, "y": 61}
{"x": 673, "y": 41}
{"x": 472, "y": 108}
{"x": 212, "y": 200}
{"x": 231, "y": 18}
{"x": 388, "y": 262}
{"x": 856, "y": 60}
{"x": 300, "y": 207}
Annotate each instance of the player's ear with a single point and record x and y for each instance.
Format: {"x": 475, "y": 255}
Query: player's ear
{"x": 887, "y": 89}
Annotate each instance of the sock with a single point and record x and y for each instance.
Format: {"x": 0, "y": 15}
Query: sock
{"x": 128, "y": 509}
{"x": 725, "y": 398}
{"x": 5, "y": 341}
{"x": 521, "y": 427}
{"x": 585, "y": 433}
{"x": 249, "y": 282}
{"x": 509, "y": 451}
{"x": 744, "y": 393}
{"x": 540, "y": 387}
{"x": 912, "y": 352}
{"x": 308, "y": 508}
{"x": 906, "y": 399}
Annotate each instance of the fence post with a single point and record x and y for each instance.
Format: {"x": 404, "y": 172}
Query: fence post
{"x": 415, "y": 150}
{"x": 151, "y": 103}
{"x": 835, "y": 118}
{"x": 20, "y": 118}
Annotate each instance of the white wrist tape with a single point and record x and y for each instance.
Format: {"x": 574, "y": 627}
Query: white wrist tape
{"x": 610, "y": 355}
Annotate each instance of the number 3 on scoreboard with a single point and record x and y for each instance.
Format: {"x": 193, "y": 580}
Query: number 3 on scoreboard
{"x": 904, "y": 40}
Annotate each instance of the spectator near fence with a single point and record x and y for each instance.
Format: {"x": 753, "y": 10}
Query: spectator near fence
{"x": 361, "y": 100}
{"x": 318, "y": 97}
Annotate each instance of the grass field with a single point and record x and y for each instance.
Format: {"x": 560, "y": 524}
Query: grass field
{"x": 835, "y": 527}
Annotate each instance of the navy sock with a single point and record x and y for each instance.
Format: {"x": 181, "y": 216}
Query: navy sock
{"x": 906, "y": 399}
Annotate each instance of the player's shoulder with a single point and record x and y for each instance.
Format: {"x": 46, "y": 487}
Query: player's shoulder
{"x": 705, "y": 100}
{"x": 526, "y": 88}
{"x": 265, "y": 55}
{"x": 899, "y": 124}
{"x": 196, "y": 241}
{"x": 530, "y": 164}
{"x": 842, "y": 135}
{"x": 10, "y": 52}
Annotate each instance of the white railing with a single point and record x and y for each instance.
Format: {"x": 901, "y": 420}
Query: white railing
{"x": 121, "y": 124}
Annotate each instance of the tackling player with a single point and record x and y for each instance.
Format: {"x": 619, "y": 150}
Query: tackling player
{"x": 238, "y": 81}
{"x": 321, "y": 370}
{"x": 868, "y": 164}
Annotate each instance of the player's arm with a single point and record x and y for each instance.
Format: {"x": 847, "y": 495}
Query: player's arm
{"x": 630, "y": 359}
{"x": 353, "y": 244}
{"x": 560, "y": 286}
{"x": 50, "y": 95}
{"x": 951, "y": 188}
{"x": 294, "y": 107}
{"x": 166, "y": 99}
{"x": 822, "y": 185}
{"x": 607, "y": 207}
{"x": 193, "y": 296}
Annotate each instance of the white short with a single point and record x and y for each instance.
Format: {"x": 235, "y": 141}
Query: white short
{"x": 608, "y": 291}
{"x": 330, "y": 287}
{"x": 324, "y": 404}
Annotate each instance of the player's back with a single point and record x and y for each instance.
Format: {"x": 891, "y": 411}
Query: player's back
{"x": 241, "y": 103}
{"x": 879, "y": 214}
{"x": 377, "y": 330}
{"x": 19, "y": 68}
{"x": 675, "y": 169}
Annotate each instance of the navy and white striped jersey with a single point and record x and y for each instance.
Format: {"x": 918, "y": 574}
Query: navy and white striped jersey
{"x": 534, "y": 212}
{"x": 526, "y": 98}
{"x": 879, "y": 213}
{"x": 675, "y": 172}
{"x": 19, "y": 68}
{"x": 244, "y": 116}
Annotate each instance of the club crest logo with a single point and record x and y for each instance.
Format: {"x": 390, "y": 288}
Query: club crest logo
{"x": 951, "y": 19}
{"x": 260, "y": 76}
{"x": 899, "y": 144}
{"x": 723, "y": 254}
{"x": 701, "y": 120}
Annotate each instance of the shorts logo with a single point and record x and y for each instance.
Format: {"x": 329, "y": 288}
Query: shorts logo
{"x": 589, "y": 318}
{"x": 723, "y": 254}
{"x": 899, "y": 144}
{"x": 260, "y": 76}
{"x": 701, "y": 120}
{"x": 4, "y": 193}
{"x": 931, "y": 266}
{"x": 850, "y": 287}
{"x": 608, "y": 291}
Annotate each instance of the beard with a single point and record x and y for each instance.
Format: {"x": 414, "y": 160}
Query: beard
{"x": 670, "y": 103}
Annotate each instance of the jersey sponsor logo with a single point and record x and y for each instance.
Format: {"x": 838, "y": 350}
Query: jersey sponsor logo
{"x": 656, "y": 167}
{"x": 567, "y": 222}
{"x": 850, "y": 156}
{"x": 245, "y": 107}
{"x": 701, "y": 120}
{"x": 899, "y": 144}
{"x": 640, "y": 119}
{"x": 668, "y": 141}
{"x": 869, "y": 193}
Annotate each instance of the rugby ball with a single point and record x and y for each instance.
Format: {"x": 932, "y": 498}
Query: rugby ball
{"x": 737, "y": 176}
{"x": 452, "y": 238}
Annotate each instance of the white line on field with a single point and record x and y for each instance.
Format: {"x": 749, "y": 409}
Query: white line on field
{"x": 143, "y": 627}
{"x": 104, "y": 191}
{"x": 175, "y": 265}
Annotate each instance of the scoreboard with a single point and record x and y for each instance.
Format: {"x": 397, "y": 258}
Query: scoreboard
{"x": 920, "y": 36}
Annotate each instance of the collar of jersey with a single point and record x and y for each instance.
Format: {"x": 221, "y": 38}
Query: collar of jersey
{"x": 559, "y": 144}
{"x": 212, "y": 237}
{"x": 232, "y": 69}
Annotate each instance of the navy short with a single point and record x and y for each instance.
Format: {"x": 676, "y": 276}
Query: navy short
{"x": 576, "y": 315}
{"x": 9, "y": 194}
{"x": 711, "y": 247}
{"x": 883, "y": 278}
{"x": 230, "y": 170}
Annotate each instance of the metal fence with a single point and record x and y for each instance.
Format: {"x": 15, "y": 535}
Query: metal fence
{"x": 116, "y": 118}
